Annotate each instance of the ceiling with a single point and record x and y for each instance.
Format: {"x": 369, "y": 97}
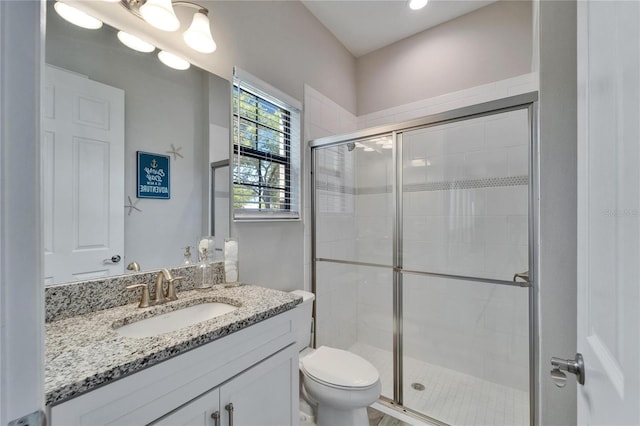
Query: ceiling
{"x": 367, "y": 25}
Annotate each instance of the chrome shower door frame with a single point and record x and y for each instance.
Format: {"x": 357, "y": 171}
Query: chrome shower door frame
{"x": 528, "y": 101}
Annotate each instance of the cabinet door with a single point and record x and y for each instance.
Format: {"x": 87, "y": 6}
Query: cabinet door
{"x": 264, "y": 395}
{"x": 199, "y": 412}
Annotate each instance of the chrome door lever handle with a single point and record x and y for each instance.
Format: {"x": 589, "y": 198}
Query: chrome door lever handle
{"x": 112, "y": 260}
{"x": 573, "y": 366}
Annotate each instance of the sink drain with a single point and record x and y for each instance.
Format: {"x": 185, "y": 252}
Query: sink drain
{"x": 417, "y": 386}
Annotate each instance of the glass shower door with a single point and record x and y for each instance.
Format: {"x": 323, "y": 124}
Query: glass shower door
{"x": 353, "y": 209}
{"x": 464, "y": 234}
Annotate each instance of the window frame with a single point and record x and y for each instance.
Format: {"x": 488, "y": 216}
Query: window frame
{"x": 290, "y": 159}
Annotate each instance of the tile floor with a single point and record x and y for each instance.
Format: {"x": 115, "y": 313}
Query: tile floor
{"x": 450, "y": 396}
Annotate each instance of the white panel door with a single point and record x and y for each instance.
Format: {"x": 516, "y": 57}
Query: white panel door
{"x": 609, "y": 211}
{"x": 83, "y": 151}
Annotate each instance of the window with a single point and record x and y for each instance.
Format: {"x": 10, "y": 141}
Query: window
{"x": 266, "y": 155}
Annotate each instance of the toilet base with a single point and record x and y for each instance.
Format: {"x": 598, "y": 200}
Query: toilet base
{"x": 339, "y": 407}
{"x": 329, "y": 416}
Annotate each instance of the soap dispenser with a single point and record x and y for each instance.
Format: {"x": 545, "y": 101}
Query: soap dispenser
{"x": 204, "y": 274}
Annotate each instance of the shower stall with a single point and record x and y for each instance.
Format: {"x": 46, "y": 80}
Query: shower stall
{"x": 424, "y": 258}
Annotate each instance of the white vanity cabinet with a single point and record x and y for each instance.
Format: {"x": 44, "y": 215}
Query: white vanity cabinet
{"x": 254, "y": 369}
{"x": 261, "y": 396}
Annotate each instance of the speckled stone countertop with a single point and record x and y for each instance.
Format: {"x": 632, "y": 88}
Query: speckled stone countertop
{"x": 85, "y": 351}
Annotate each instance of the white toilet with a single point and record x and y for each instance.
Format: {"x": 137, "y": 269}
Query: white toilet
{"x": 340, "y": 384}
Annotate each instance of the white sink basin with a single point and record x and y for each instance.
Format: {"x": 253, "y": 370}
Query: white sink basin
{"x": 175, "y": 320}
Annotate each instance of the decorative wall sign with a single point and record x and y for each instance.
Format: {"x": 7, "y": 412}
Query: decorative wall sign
{"x": 153, "y": 175}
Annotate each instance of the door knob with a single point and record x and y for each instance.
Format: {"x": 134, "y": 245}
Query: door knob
{"x": 573, "y": 366}
{"x": 113, "y": 260}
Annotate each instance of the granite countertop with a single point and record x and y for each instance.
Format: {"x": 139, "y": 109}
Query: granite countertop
{"x": 85, "y": 351}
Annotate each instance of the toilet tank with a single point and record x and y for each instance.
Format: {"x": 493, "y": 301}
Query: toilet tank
{"x": 304, "y": 319}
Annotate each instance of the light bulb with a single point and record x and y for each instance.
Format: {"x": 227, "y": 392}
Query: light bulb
{"x": 135, "y": 43}
{"x": 173, "y": 61}
{"x": 417, "y": 4}
{"x": 198, "y": 36}
{"x": 77, "y": 17}
{"x": 160, "y": 14}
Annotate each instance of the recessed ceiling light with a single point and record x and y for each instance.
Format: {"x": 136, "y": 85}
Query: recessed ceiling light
{"x": 173, "y": 61}
{"x": 77, "y": 17}
{"x": 417, "y": 4}
{"x": 135, "y": 43}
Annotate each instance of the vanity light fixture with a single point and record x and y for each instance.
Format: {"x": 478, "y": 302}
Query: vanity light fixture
{"x": 76, "y": 16}
{"x": 198, "y": 36}
{"x": 160, "y": 14}
{"x": 173, "y": 61}
{"x": 135, "y": 43}
{"x": 417, "y": 4}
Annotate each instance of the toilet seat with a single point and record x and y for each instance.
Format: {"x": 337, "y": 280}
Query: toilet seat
{"x": 339, "y": 369}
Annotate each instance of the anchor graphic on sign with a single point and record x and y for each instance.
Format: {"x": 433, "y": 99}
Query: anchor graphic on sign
{"x": 154, "y": 163}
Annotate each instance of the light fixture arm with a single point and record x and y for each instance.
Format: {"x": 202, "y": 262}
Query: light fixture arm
{"x": 192, "y": 5}
{"x": 133, "y": 6}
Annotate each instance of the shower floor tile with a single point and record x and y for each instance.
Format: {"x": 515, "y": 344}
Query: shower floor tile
{"x": 449, "y": 396}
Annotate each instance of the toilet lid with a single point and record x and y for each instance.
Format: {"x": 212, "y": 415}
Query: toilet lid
{"x": 341, "y": 368}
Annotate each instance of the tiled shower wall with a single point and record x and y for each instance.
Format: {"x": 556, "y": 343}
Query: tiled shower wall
{"x": 323, "y": 117}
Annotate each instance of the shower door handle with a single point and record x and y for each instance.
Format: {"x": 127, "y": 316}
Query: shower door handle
{"x": 522, "y": 275}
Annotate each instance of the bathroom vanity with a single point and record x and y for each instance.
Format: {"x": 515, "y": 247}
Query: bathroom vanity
{"x": 239, "y": 368}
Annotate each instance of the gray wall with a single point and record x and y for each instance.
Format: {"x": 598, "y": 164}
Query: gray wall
{"x": 558, "y": 205}
{"x": 162, "y": 107}
{"x": 489, "y": 44}
{"x": 296, "y": 49}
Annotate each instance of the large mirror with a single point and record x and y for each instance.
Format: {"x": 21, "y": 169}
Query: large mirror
{"x": 127, "y": 156}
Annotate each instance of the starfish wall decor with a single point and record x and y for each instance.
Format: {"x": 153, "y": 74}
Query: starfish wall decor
{"x": 132, "y": 206}
{"x": 175, "y": 152}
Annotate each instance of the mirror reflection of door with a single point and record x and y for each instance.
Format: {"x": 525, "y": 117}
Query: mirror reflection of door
{"x": 83, "y": 175}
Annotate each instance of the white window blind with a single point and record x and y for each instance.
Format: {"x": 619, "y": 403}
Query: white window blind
{"x": 266, "y": 152}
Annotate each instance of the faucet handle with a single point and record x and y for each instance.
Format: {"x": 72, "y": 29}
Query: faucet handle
{"x": 144, "y": 299}
{"x": 171, "y": 289}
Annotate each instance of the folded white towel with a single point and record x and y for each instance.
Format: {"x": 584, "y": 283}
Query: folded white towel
{"x": 231, "y": 249}
{"x": 231, "y": 276}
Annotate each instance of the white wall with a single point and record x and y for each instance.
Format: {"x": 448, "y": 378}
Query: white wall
{"x": 489, "y": 44}
{"x": 162, "y": 107}
{"x": 21, "y": 255}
